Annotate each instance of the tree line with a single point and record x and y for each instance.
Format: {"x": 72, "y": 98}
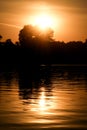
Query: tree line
{"x": 39, "y": 47}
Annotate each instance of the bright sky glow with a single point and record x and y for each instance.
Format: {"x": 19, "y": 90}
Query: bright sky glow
{"x": 68, "y": 18}
{"x": 43, "y": 21}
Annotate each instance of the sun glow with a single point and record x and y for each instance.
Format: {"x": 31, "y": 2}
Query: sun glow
{"x": 44, "y": 21}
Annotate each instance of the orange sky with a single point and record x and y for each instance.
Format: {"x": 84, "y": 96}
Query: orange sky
{"x": 70, "y": 17}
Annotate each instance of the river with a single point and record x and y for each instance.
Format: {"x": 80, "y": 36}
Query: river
{"x": 45, "y": 97}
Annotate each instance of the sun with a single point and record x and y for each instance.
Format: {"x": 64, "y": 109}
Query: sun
{"x": 43, "y": 21}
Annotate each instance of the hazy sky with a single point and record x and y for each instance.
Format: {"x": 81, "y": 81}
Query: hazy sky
{"x": 70, "y": 17}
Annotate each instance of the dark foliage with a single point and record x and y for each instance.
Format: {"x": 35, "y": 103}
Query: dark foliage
{"x": 36, "y": 47}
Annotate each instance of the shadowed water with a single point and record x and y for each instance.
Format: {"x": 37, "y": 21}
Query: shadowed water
{"x": 44, "y": 97}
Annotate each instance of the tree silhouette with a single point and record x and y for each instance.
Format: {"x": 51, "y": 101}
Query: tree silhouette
{"x": 28, "y": 34}
{"x": 32, "y": 34}
{"x": 47, "y": 35}
{"x": 8, "y": 43}
{"x": 1, "y": 37}
{"x": 85, "y": 41}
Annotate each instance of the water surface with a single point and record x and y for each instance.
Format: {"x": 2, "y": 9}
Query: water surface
{"x": 43, "y": 97}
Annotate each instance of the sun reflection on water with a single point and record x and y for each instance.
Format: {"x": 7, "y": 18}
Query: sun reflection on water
{"x": 43, "y": 104}
{"x": 42, "y": 107}
{"x": 42, "y": 101}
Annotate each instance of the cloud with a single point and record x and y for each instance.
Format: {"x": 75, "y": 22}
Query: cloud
{"x": 10, "y": 25}
{"x": 70, "y": 3}
{"x": 19, "y": 6}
